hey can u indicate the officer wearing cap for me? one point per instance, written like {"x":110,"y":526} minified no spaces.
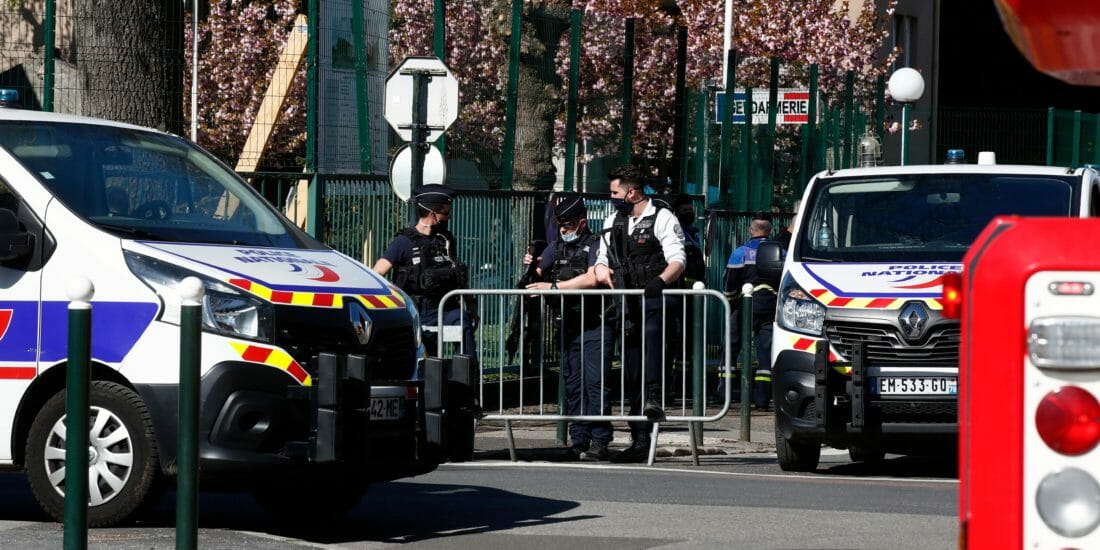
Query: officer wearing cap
{"x":424,"y":264}
{"x":741,"y":269}
{"x":643,"y":249}
{"x":586,"y":341}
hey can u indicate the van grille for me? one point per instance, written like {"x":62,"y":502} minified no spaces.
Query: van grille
{"x":885,"y":344}
{"x":307,"y":332}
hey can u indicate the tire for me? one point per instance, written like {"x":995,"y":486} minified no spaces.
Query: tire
{"x":124,"y":469}
{"x":868,"y":453}
{"x":796,"y":456}
{"x":311,"y":500}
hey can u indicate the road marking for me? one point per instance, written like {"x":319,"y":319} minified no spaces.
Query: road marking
{"x":508,"y":463}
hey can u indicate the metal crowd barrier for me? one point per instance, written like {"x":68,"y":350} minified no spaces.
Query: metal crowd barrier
{"x":696,"y":356}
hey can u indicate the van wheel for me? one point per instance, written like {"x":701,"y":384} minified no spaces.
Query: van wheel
{"x":797,"y":456}
{"x":123,"y":470}
{"x":316,"y":501}
{"x":869,"y":453}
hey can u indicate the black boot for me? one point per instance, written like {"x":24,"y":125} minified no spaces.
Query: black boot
{"x":638,"y":451}
{"x":652,"y":409}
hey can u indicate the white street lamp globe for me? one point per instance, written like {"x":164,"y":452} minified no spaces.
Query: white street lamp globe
{"x":906,"y":85}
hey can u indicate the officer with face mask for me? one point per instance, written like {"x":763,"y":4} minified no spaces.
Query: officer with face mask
{"x":643,"y":249}
{"x":585,"y":341}
{"x":424,"y":264}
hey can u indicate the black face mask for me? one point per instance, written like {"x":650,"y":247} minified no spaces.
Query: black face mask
{"x":440,"y":226}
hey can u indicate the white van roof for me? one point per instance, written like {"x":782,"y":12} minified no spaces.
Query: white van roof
{"x":952,"y":169}
{"x":12,"y":113}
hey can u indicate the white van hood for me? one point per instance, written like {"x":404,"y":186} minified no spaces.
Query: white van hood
{"x":274,"y":270}
{"x":872,"y":285}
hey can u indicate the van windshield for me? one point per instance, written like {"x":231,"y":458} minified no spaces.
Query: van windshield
{"x":146,"y":185}
{"x":921,"y":217}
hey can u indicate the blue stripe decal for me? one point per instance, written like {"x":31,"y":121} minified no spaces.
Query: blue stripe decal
{"x":19,"y":338}
{"x":116,"y":327}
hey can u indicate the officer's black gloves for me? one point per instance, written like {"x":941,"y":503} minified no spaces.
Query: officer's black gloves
{"x":654,"y":287}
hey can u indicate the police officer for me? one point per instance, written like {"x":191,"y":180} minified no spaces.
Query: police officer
{"x":643,"y":249}
{"x":585,"y":340}
{"x":424,"y":264}
{"x":741,"y":269}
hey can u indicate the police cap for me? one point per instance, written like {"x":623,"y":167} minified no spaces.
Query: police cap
{"x":434,"y":194}
{"x":570,"y":208}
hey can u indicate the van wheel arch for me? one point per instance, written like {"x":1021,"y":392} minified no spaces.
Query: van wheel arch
{"x":45,"y":386}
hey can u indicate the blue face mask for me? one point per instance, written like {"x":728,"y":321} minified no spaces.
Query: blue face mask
{"x":621,"y":206}
{"x":570,"y":237}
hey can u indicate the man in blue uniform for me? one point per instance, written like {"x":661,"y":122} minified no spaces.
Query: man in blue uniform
{"x":741,"y":269}
{"x":644,"y":249}
{"x":425,"y":265}
{"x":585,"y":342}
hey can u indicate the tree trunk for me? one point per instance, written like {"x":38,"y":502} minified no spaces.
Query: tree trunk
{"x":129,"y":56}
{"x":539,"y":98}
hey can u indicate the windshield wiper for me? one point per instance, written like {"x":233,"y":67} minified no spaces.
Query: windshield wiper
{"x":132,"y":232}
{"x":814,"y":259}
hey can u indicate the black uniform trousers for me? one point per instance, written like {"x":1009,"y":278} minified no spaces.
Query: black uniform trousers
{"x":642,"y":364}
{"x":586,"y":368}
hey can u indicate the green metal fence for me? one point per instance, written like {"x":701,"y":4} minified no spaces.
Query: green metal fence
{"x":1072,"y":138}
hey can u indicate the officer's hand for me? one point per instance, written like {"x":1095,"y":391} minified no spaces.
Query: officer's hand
{"x":538,"y":286}
{"x":654,"y":287}
{"x":527,"y":259}
{"x":603,"y":276}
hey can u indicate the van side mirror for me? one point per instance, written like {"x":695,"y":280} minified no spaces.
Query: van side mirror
{"x":14,"y":244}
{"x":769,"y":261}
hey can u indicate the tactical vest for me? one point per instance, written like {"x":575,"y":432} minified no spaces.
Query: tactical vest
{"x":432,"y":271}
{"x":696,"y":269}
{"x":571,"y":260}
{"x":640,"y":251}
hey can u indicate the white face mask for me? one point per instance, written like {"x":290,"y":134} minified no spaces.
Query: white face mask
{"x":570,"y":237}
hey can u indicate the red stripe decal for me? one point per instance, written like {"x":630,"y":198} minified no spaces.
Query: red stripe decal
{"x":881,"y":302}
{"x":796,"y":118}
{"x":282,"y":297}
{"x":803,"y":344}
{"x":817,"y":292}
{"x":322,"y":299}
{"x":796,"y":95}
{"x":374,"y":301}
{"x":18,"y":373}
{"x":397,"y":298}
{"x":241,"y":283}
{"x":840,"y":302}
{"x":297,"y":371}
{"x":256,"y":354}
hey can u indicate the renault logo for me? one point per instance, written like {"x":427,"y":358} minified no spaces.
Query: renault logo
{"x":913,"y":320}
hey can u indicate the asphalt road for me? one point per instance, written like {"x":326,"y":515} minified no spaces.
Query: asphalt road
{"x":499,"y":504}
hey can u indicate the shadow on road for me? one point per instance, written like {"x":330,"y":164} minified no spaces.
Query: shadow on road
{"x":908,"y":466}
{"x":391,"y":512}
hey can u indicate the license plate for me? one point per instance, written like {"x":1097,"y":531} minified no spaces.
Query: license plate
{"x":918,"y":385}
{"x":386,"y":408}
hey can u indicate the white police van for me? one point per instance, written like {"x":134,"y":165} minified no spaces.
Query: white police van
{"x":309,"y":386}
{"x":862,"y":357}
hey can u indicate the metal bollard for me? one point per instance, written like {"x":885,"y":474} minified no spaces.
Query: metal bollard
{"x":80,"y":291}
{"x":187,"y":458}
{"x":746,"y":360}
{"x":699,"y":367}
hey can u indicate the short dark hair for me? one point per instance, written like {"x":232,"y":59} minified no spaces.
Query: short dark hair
{"x":628,"y":175}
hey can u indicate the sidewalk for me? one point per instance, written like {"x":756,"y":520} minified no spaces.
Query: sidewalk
{"x":537,"y":441}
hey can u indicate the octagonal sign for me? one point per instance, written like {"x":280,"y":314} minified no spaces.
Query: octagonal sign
{"x":442,"y":96}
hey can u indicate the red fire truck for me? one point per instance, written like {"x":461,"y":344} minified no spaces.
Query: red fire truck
{"x":1029,"y":418}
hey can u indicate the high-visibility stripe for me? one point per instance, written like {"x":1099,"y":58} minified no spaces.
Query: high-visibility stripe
{"x":762,"y":378}
{"x":320,"y":299}
{"x":273,"y":357}
{"x":18,"y":373}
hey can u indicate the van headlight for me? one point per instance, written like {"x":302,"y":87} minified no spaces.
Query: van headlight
{"x":797,"y":311}
{"x":225,"y":309}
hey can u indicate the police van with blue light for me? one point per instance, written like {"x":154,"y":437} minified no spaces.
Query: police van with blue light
{"x":310,"y":368}
{"x":862,"y":356}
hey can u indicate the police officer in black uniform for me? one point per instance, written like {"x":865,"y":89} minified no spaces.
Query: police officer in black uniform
{"x":424,"y":264}
{"x":643,"y":249}
{"x":585,"y":341}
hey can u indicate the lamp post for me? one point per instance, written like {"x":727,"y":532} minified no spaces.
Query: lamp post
{"x":906,"y":86}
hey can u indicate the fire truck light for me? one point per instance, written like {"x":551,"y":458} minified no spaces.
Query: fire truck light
{"x":1069,"y":502}
{"x":1071,"y":288}
{"x":1065,"y":342}
{"x":1068,"y":420}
